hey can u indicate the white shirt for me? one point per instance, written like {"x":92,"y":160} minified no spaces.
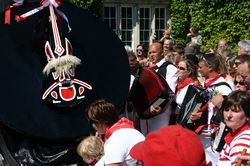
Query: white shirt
{"x":118,"y":146}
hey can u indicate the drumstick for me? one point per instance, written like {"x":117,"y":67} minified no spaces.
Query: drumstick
{"x":244,"y":151}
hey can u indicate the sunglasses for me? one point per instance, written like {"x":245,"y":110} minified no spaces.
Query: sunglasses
{"x":204,"y":58}
{"x":242,"y":83}
{"x":139,"y":50}
{"x":181,"y":68}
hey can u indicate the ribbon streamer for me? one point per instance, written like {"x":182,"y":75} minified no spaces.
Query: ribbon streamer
{"x":43,"y":4}
{"x":8,"y":10}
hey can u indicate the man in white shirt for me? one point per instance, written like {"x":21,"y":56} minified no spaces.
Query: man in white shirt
{"x":162,"y":117}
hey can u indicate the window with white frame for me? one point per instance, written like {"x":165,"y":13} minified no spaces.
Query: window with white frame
{"x":160,"y":21}
{"x":135,"y":24}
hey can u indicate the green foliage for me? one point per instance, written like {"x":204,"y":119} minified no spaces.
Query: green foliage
{"x":216,"y":19}
{"x":179,"y":22}
{"x":95,"y":6}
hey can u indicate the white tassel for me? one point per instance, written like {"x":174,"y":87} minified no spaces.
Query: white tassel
{"x":64,"y":63}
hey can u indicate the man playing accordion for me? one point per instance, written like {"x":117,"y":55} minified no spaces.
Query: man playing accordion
{"x":168,"y":72}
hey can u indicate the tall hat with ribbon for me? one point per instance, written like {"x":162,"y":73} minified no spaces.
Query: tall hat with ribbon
{"x":53,"y":85}
{"x":37,"y":62}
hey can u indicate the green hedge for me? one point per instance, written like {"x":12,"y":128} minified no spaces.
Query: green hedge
{"x":95,"y":6}
{"x":216,"y":19}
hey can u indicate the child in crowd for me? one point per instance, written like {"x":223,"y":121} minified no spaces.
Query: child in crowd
{"x":91,"y":150}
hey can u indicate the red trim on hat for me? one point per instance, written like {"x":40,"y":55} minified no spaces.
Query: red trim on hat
{"x":7,"y":15}
{"x":20,"y":18}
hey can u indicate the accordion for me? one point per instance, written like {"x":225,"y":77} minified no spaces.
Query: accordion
{"x":149,"y":89}
{"x":194,"y":101}
{"x":219,"y":137}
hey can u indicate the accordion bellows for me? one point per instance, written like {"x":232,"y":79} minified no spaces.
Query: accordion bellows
{"x":149,"y":88}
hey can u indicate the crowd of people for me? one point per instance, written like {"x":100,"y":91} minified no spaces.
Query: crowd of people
{"x":129,"y":139}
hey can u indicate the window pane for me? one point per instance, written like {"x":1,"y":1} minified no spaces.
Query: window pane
{"x":106,"y":12}
{"x":147,"y":26}
{"x":144,"y":25}
{"x":160,"y":21}
{"x":123,"y":35}
{"x":129,"y":36}
{"x":112,"y":12}
{"x":147,"y":13}
{"x":113,"y":24}
{"x":157,"y":12}
{"x":162,"y":13}
{"x":157,"y":26}
{"x":162,"y":24}
{"x":110,"y":17}
{"x":129,"y":24}
{"x":126,"y":25}
{"x":129,"y":12}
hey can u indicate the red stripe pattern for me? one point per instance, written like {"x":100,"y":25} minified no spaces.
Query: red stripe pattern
{"x":234,"y":148}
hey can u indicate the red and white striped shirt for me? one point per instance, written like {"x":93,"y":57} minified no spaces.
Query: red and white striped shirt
{"x":235,"y":143}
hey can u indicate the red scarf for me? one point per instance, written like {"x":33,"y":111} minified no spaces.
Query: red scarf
{"x":153,"y":66}
{"x":210,"y":81}
{"x":123,"y":123}
{"x":185,"y":83}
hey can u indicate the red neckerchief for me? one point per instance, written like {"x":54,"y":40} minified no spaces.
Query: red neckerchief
{"x":153,"y":66}
{"x":185,"y":83}
{"x":210,"y":81}
{"x":123,"y":123}
{"x":231,"y":135}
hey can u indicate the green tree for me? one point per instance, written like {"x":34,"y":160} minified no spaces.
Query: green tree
{"x":95,"y":6}
{"x":216,"y":19}
{"x":179,"y":20}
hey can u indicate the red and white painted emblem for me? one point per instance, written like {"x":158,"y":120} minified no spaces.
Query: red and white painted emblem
{"x":65,"y":90}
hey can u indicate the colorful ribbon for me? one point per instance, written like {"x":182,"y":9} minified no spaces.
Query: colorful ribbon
{"x":43,"y":4}
{"x":8,"y":10}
